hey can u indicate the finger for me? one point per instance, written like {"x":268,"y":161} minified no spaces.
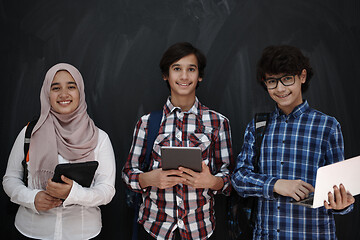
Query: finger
{"x":204,"y":167}
{"x":301,"y":193}
{"x":305,"y":190}
{"x":186,"y":176}
{"x":309,"y":187}
{"x":172,"y":172}
{"x":296,"y":197}
{"x":49,"y":198}
{"x":337,"y":195}
{"x":331,"y":200}
{"x":66,"y":180}
{"x":53,"y":185}
{"x":49,"y":181}
{"x":326,"y":205}
{"x":343,"y":193}
{"x":350,"y":198}
{"x":174,"y":179}
{"x":188,"y":171}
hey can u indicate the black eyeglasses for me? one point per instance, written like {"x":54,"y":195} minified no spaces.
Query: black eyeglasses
{"x":286,"y":80}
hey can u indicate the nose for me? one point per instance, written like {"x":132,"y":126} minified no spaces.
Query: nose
{"x":280,"y":87}
{"x":184,"y":74}
{"x":64,"y":92}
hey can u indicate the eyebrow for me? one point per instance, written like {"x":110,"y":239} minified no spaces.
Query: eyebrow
{"x":273,"y":77}
{"x":54,"y":84}
{"x":190,"y":65}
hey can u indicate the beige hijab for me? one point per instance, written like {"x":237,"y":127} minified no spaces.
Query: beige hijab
{"x":74,"y":136}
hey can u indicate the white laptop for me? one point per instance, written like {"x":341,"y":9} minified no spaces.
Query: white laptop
{"x":345,"y":172}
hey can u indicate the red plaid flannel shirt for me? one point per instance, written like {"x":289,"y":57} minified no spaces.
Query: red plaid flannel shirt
{"x":189,"y":209}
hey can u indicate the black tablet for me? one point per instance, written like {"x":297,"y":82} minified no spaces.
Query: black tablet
{"x":174,"y":157}
{"x":82,"y":173}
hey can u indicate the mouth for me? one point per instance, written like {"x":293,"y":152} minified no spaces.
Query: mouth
{"x":183,"y":84}
{"x":64,"y":103}
{"x":283,"y":95}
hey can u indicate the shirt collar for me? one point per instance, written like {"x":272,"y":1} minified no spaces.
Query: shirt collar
{"x":170,"y":108}
{"x":298,"y":110}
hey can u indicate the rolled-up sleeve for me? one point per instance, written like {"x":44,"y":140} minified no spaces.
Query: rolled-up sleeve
{"x":131,"y":169}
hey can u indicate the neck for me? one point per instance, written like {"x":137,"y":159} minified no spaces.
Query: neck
{"x":288,"y":109}
{"x":185,"y":103}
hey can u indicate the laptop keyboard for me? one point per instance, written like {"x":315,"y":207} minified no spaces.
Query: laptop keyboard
{"x":308,"y":201}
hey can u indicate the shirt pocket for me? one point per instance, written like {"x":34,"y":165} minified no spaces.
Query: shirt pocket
{"x":202,"y":140}
{"x":161,"y":140}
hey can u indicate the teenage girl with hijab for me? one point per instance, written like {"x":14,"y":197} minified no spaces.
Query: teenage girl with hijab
{"x":64,"y":133}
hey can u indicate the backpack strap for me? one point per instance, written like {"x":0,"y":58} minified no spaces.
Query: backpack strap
{"x":28,"y":132}
{"x":153,"y":131}
{"x":261,"y":120}
{"x":244,"y":209}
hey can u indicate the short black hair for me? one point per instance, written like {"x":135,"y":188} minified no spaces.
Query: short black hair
{"x":283,"y":59}
{"x":177,"y":51}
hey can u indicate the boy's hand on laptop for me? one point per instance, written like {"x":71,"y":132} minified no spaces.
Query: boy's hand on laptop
{"x":340,"y":199}
{"x":203,"y":179}
{"x":297,"y":189}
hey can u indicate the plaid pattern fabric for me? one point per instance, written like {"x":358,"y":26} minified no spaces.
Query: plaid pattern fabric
{"x":294,"y":147}
{"x":189,"y":209}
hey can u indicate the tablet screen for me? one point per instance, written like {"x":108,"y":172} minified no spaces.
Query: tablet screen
{"x":174,"y":157}
{"x":82,"y":173}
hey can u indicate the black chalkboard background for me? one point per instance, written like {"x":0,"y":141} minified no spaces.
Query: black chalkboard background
{"x":117,"y":46}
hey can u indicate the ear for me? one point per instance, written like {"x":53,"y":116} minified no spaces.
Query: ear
{"x":303,"y":75}
{"x":200,"y":79}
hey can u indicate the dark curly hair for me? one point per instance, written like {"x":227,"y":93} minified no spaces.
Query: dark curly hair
{"x":283,"y":59}
{"x":178,"y":51}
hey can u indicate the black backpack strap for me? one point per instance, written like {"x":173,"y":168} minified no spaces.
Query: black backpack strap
{"x":28,"y":132}
{"x":244,"y":209}
{"x":261,"y":120}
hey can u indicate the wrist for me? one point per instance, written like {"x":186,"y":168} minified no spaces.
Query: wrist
{"x":217,"y":183}
{"x":144,"y":180}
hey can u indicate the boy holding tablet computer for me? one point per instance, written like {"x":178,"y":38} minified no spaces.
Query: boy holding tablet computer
{"x":181,"y":206}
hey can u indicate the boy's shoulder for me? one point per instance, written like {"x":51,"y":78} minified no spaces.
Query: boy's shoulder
{"x":211,"y":114}
{"x":319,"y":116}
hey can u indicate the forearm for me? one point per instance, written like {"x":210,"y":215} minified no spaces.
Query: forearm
{"x":19,"y":193}
{"x":247,"y":183}
{"x":90,"y":197}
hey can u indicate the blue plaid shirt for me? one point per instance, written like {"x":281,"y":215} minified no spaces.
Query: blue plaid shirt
{"x":294,"y":147}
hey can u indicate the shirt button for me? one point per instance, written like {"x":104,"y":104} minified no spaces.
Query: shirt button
{"x":282,"y":163}
{"x":278,"y":208}
{"x":180,"y":223}
{"x":278,"y":230}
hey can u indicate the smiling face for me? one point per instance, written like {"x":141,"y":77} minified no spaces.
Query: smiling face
{"x":183,"y":78}
{"x":287,"y":97}
{"x":64,"y":93}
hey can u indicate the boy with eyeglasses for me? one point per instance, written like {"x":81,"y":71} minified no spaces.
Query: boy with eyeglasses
{"x":298,"y":140}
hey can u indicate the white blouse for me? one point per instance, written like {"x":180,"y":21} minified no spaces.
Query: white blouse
{"x":79,"y":216}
